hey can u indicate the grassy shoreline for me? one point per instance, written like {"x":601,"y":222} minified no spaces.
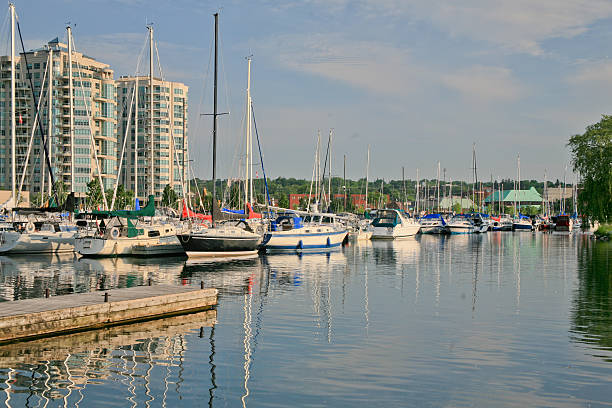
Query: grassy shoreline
{"x":604,"y":231}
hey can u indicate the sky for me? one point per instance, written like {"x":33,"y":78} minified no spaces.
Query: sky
{"x":417,"y":81}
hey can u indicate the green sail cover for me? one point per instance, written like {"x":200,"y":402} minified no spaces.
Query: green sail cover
{"x":148,"y":211}
{"x":132,"y":230}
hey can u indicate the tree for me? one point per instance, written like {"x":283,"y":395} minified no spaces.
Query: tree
{"x":592,"y":159}
{"x":61,"y":191}
{"x":283,"y":201}
{"x":169,"y":197}
{"x":94,"y":193}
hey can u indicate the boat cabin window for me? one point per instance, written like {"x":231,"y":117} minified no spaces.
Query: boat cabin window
{"x":154,"y":233}
{"x":385,"y":219}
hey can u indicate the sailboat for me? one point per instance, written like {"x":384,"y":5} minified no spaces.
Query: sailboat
{"x":521,"y":222}
{"x":219,"y":240}
{"x":121,"y":234}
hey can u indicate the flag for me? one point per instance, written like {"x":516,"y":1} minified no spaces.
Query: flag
{"x":20,"y":119}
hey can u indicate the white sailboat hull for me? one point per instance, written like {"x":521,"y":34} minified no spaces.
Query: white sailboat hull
{"x":124,"y":246}
{"x":13,"y":242}
{"x":299,"y":240}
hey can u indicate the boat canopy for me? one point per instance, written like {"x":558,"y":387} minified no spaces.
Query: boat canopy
{"x":148,"y":211}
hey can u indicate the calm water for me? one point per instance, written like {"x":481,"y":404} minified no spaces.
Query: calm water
{"x":500,"y":319}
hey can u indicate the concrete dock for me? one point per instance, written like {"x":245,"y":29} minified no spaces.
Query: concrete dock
{"x":34,"y":318}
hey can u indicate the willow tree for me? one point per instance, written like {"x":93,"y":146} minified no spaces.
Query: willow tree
{"x":592,"y":159}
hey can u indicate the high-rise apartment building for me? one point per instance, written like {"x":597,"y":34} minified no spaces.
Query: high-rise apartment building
{"x":169,"y":147}
{"x":94,"y":122}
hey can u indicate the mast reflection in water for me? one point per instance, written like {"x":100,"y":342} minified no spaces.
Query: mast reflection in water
{"x":498,"y":319}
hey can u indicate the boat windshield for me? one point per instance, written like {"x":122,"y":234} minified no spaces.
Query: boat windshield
{"x":385,"y":218}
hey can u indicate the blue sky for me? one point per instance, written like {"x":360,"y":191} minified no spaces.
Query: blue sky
{"x":419,"y":81}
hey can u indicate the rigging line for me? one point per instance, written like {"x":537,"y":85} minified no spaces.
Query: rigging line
{"x":161,"y":72}
{"x":225,"y":125}
{"x":176,"y":158}
{"x":91,"y":132}
{"x":27,"y":159}
{"x":127,"y":128}
{"x":4,"y":32}
{"x":40,"y":127}
{"x":196,"y":129}
{"x":263,"y":170}
{"x":321,"y":195}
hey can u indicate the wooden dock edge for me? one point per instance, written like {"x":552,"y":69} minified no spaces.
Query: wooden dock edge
{"x":31,"y":326}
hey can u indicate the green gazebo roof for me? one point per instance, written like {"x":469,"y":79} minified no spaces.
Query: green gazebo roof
{"x":510,"y":196}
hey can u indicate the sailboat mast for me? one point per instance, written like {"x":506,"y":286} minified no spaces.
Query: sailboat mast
{"x":214,"y":158}
{"x":71,"y":91}
{"x":367,"y":178}
{"x":404,"y":188}
{"x":49,"y":113}
{"x":417,"y":198}
{"x":344,"y":182}
{"x":564,"y":191}
{"x":136,"y":139}
{"x":248,"y":181}
{"x":438,"y":187}
{"x":152,"y":148}
{"x":13,"y":121}
{"x":329,"y":173}
{"x":519,"y":183}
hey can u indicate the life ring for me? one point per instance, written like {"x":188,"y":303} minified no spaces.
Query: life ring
{"x":30,"y":228}
{"x":114,"y":233}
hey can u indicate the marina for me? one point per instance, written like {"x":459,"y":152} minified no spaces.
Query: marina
{"x":159,"y":252}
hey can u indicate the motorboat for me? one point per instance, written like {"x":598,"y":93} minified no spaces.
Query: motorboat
{"x":432,"y":224}
{"x":522,"y":223}
{"x":466,"y":224}
{"x":502,"y":222}
{"x":304,"y":232}
{"x":392,"y":224}
{"x":564,"y":223}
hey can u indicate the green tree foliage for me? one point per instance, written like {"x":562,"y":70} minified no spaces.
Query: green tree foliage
{"x":169,"y":197}
{"x":61,"y":191}
{"x":94,"y":194}
{"x":283,"y":201}
{"x":124,"y":198}
{"x":592,"y":159}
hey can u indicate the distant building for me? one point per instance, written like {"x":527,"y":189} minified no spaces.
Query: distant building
{"x":357,"y":200}
{"x":509,"y":197}
{"x":558,"y":193}
{"x":94,"y":108}
{"x":170,"y":131}
{"x":447,"y":203}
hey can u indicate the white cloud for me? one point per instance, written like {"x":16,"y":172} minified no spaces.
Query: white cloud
{"x":515,"y":25}
{"x":367,"y":65}
{"x":485,"y":83}
{"x":599,"y":71}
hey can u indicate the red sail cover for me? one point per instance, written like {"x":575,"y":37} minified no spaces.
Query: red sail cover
{"x":252,"y":214}
{"x":187,"y":213}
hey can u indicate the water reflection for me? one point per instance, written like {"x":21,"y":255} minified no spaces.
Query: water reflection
{"x":443,"y":321}
{"x":592,"y":304}
{"x":24,"y":277}
{"x":144,"y":358}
